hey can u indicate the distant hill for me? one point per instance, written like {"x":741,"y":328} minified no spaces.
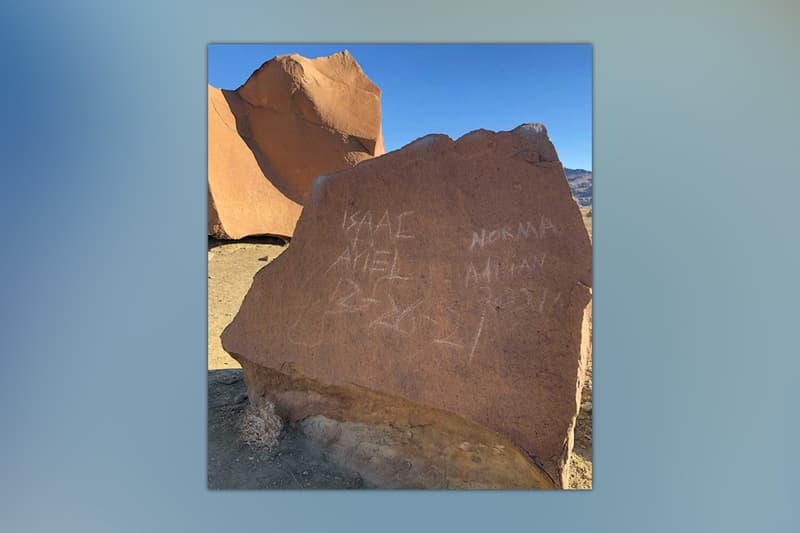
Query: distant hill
{"x":580,"y":181}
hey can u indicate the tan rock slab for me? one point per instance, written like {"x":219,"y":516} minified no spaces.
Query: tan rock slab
{"x":292,"y":120}
{"x":241,"y":200}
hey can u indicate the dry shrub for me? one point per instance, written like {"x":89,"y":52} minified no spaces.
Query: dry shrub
{"x":260,"y":426}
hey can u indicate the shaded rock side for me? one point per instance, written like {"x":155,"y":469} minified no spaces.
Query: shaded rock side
{"x":241,"y":200}
{"x":453,"y":274}
{"x":292,"y":120}
{"x":391,"y":443}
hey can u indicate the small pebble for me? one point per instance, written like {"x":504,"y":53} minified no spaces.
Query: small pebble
{"x":587,"y":407}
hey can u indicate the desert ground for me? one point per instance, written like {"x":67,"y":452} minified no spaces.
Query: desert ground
{"x":294,"y":462}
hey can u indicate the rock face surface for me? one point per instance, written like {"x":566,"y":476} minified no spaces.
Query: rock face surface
{"x":292,"y":120}
{"x":455,"y":275}
{"x":241,"y":200}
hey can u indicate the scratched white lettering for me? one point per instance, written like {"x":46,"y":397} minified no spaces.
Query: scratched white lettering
{"x":400,"y":235}
{"x":513,"y":232}
{"x":496,"y":269}
{"x":372,"y":279}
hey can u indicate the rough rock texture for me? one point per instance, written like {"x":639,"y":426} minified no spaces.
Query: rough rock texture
{"x":292,"y":120}
{"x":320,"y":452}
{"x":392,"y":443}
{"x":454,"y":274}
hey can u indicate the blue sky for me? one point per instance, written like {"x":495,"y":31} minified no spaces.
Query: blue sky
{"x":454,"y":89}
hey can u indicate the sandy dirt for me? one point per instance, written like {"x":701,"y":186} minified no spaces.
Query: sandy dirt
{"x":231,"y":267}
{"x":294,"y":463}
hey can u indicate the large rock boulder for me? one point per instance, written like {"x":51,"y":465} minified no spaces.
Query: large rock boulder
{"x":292,"y":120}
{"x":452,"y":274}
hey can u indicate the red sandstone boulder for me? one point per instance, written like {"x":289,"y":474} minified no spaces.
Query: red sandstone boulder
{"x":241,"y":200}
{"x":292,"y":120}
{"x":451,"y":274}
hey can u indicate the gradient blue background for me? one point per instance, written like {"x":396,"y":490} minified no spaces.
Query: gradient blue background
{"x":103,"y":277}
{"x":455,"y":89}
